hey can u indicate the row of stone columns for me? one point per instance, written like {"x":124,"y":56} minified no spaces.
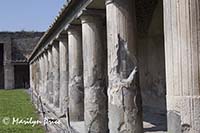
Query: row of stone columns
{"x":78,"y":67}
{"x":85,"y":63}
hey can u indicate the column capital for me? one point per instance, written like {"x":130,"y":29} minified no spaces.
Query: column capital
{"x":92,"y":15}
{"x":62,"y":36}
{"x":74,"y":28}
{"x":46,"y":48}
{"x":49,"y":46}
{"x":119,"y":2}
{"x":109,"y":2}
{"x":54,"y":42}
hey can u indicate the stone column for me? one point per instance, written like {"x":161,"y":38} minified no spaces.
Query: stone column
{"x":36,"y":75}
{"x":63,"y":46}
{"x":35,"y":91}
{"x":181,"y":29}
{"x":125,"y":107}
{"x":9,"y":79}
{"x":46,"y":69}
{"x":56,"y":73}
{"x":40,"y":76}
{"x":94,"y":60}
{"x":43,"y":76}
{"x":31,"y":75}
{"x":31,"y":67}
{"x":76,"y":95}
{"x":50,"y":75}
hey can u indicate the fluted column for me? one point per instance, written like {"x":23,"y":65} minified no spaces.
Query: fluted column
{"x":94,"y":60}
{"x":50,"y":75}
{"x":125,"y":107}
{"x":64,"y":73}
{"x":76,"y":95}
{"x":56,"y":73}
{"x":181,"y":29}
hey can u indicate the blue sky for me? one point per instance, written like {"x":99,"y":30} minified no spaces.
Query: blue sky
{"x":28,"y":15}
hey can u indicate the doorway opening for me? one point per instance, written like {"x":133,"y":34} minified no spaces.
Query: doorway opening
{"x":21,"y":76}
{"x":152,"y":64}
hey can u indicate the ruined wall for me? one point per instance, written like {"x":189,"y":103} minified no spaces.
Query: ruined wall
{"x":1,"y":67}
{"x":151,"y":55}
{"x":22,"y":44}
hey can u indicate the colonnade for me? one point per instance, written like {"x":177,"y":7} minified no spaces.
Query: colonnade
{"x":91,"y":67}
{"x":72,"y":71}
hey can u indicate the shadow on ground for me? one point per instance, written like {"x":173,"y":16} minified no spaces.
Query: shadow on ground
{"x":154,"y":120}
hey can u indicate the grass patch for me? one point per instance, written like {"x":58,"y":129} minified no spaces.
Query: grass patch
{"x":17,"y":104}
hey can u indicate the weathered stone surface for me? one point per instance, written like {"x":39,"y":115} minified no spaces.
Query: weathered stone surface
{"x":22,"y":43}
{"x":50,"y":75}
{"x":9,"y":81}
{"x":125,"y":107}
{"x":17,"y":46}
{"x":181,"y":24}
{"x":40,"y":76}
{"x":64,"y":73}
{"x":46,"y":69}
{"x":76,"y":94}
{"x":95,"y":64}
{"x":56,"y":73}
{"x":128,"y":63}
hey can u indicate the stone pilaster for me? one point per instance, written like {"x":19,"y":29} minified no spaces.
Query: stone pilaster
{"x":9,"y":78}
{"x":181,"y":28}
{"x":94,"y":60}
{"x":125,"y":107}
{"x":76,"y":95}
{"x":64,"y":74}
{"x":56,"y":73}
{"x":50,"y":75}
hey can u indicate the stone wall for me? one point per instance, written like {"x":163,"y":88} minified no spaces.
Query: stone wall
{"x":22,"y":44}
{"x":1,"y":66}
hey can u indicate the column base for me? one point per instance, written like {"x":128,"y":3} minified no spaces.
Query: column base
{"x":183,"y":114}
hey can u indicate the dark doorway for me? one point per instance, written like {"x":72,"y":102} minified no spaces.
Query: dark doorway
{"x":1,"y":66}
{"x":21,"y":76}
{"x":152,"y":64}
